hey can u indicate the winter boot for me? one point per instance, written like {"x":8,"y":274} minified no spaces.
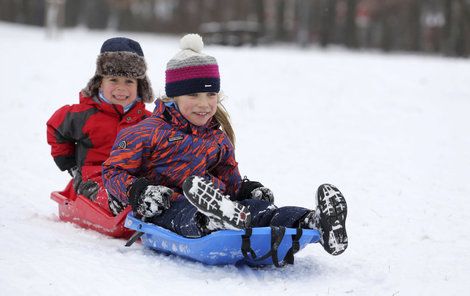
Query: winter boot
{"x":329,"y":218}
{"x":218,"y":208}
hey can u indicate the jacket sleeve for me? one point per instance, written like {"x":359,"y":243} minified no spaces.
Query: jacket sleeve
{"x":122,"y":169}
{"x":226,"y":172}
{"x":60,"y":137}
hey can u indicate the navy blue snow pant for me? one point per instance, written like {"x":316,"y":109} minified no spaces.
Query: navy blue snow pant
{"x":184,"y":219}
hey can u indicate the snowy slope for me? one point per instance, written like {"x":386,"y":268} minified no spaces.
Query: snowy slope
{"x":391,"y":131}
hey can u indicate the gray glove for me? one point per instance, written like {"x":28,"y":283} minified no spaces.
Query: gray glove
{"x":77,"y":177}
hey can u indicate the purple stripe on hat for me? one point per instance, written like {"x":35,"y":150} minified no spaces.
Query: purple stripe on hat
{"x":191,"y":72}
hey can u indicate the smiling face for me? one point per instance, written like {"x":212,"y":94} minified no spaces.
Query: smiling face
{"x":198,"y":108}
{"x":119,"y":90}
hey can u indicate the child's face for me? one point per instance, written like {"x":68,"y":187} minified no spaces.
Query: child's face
{"x":119,"y":90}
{"x":198,"y":108}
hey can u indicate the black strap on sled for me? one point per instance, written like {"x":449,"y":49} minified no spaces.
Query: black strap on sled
{"x":277,"y":234}
{"x":133,"y":238}
{"x":246,"y":244}
{"x":136,"y":235}
{"x":289,"y":259}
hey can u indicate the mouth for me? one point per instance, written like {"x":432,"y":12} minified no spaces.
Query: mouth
{"x":201,"y":113}
{"x":120,"y":97}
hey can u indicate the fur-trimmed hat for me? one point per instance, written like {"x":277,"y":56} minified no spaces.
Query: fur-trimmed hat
{"x":121,"y":56}
{"x":190,"y":70}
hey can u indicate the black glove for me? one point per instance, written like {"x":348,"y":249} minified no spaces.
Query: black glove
{"x":255,"y":190}
{"x":151,"y":201}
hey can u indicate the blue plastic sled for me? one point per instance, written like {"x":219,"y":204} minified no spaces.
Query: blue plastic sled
{"x":270,"y":245}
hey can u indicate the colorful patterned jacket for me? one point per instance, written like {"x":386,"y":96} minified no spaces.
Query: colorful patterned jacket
{"x":83,"y":134}
{"x":165,"y":149}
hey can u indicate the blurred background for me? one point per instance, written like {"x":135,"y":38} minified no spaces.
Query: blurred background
{"x":440,"y":27}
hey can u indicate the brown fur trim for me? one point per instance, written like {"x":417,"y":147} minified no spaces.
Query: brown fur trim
{"x":145,"y":90}
{"x":121,"y":63}
{"x":93,"y":86}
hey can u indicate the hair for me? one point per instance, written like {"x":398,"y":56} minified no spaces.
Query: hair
{"x":221,"y":116}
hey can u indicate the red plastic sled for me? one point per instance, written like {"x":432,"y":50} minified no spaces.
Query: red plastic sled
{"x":87,"y":214}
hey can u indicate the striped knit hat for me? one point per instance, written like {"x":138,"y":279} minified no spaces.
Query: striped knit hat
{"x":191,"y":71}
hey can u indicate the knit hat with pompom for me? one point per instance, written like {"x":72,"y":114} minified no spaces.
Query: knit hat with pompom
{"x":191,"y":71}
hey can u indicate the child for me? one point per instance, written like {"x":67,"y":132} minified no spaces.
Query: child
{"x":150,"y":162}
{"x":81,"y":135}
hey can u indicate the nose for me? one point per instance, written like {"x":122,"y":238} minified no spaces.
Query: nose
{"x":203,"y":100}
{"x":121,"y":86}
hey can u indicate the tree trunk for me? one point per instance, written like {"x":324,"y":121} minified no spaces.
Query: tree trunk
{"x":328,"y":22}
{"x":350,"y":31}
{"x":280,"y":29}
{"x":415,"y":35}
{"x":447,"y":30}
{"x":461,"y":45}
{"x":97,"y":13}
{"x":260,"y":9}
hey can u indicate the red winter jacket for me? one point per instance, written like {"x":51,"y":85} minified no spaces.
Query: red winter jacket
{"x":165,"y":149}
{"x":83,"y":134}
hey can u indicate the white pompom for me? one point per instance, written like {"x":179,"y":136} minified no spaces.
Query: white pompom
{"x":192,"y":41}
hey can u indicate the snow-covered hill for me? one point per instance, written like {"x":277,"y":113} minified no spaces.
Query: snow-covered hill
{"x":391,"y":131}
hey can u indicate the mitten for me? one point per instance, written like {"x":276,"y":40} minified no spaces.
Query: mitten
{"x":89,"y":189}
{"x":152,"y":201}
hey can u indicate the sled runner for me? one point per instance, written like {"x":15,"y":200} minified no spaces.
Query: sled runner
{"x":253,"y":246}
{"x":87,"y":214}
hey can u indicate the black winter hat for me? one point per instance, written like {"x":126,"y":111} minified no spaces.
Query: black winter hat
{"x":122,"y":44}
{"x":121,"y":56}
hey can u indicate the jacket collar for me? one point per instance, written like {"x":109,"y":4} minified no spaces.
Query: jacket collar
{"x":112,"y":109}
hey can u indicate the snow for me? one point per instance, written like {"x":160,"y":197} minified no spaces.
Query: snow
{"x":390,"y":131}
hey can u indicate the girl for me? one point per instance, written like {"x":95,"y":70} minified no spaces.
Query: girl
{"x":81,"y":135}
{"x":189,"y":135}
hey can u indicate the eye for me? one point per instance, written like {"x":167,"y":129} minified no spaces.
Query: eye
{"x":130,"y":81}
{"x":193,"y":95}
{"x":212,"y":94}
{"x":112,"y":79}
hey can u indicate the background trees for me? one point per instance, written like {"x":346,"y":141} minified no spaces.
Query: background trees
{"x":434,"y":26}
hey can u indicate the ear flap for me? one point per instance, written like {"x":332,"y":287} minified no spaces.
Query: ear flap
{"x":92,"y":87}
{"x":145,"y":90}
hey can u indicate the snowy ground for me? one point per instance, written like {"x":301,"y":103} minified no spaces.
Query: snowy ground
{"x":391,"y":131}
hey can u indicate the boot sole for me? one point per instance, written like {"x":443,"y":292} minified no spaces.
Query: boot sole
{"x":212,"y":203}
{"x":333,"y":212}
